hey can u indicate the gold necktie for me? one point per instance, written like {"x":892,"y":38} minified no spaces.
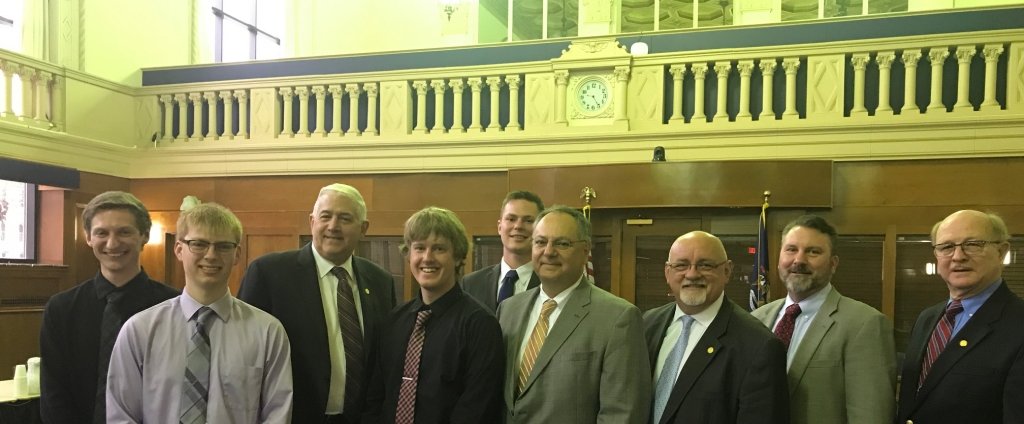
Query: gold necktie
{"x":540,"y":331}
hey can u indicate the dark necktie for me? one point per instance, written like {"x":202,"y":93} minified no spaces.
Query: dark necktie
{"x":940,"y":337}
{"x":196,"y":390}
{"x":109,"y":327}
{"x":784,"y":331}
{"x":352,"y":337}
{"x":405,"y":411}
{"x":508,"y":285}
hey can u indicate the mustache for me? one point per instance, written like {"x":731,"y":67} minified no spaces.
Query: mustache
{"x":799,"y":269}
{"x":701,"y":282}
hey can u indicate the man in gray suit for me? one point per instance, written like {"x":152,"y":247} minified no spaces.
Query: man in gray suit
{"x":841,"y":355}
{"x":514,"y":275}
{"x":592,"y":366}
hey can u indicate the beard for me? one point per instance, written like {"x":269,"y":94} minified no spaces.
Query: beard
{"x":694,"y":296}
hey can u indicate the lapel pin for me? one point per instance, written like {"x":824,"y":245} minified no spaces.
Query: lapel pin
{"x":963,"y":343}
{"x":367,"y":291}
{"x":711,"y":350}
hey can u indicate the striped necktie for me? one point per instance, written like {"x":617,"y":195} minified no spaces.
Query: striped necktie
{"x":940,"y":337}
{"x":405,"y":411}
{"x":352,"y":338}
{"x":540,"y":332}
{"x":195,"y":392}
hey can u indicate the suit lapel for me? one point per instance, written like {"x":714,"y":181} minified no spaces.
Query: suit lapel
{"x":519,"y":311}
{"x":700,"y":357}
{"x":576,"y":308}
{"x":660,"y":322}
{"x":491,"y":288}
{"x":534,"y":281}
{"x":816,"y":331}
{"x":367,"y":300}
{"x":771,"y":313}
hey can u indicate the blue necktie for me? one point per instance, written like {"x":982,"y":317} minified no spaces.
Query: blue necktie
{"x":670,"y":371}
{"x":508,"y":285}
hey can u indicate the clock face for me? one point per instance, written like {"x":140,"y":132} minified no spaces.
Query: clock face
{"x":592,"y":96}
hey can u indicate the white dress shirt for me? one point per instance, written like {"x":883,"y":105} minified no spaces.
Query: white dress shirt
{"x":525,"y":274}
{"x":560,"y":299}
{"x":809,"y":308}
{"x":329,"y":297}
{"x":701,"y":321}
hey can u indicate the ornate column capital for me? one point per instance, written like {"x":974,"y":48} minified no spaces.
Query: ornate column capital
{"x":352,"y":89}
{"x":457,"y":85}
{"x":938,"y":55}
{"x":767,"y":66}
{"x":745,"y":67}
{"x":965,"y":53}
{"x":195,"y":97}
{"x":370,"y":88}
{"x":420,"y":86}
{"x":438,"y":86}
{"x":992,"y":52}
{"x":494,"y":83}
{"x":27,"y":73}
{"x":860,"y":61}
{"x":45,"y":76}
{"x":10,"y":68}
{"x":722,"y":69}
{"x":512,"y":81}
{"x":225,"y":96}
{"x":621,"y":73}
{"x":791,"y":65}
{"x":885,"y":59}
{"x":677,"y":71}
{"x":302,"y":93}
{"x":286,"y":92}
{"x":180,"y":98}
{"x":561,"y":78}
{"x":210,"y":96}
{"x":319,"y":91}
{"x":241,"y":95}
{"x":334,"y":89}
{"x":910,"y":57}
{"x":699,"y":70}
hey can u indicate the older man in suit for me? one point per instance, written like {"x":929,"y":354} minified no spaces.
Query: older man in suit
{"x":841,"y":359}
{"x":331,"y":303}
{"x":592,"y":365}
{"x":965,"y":358}
{"x":713,"y":362}
{"x":514,"y":275}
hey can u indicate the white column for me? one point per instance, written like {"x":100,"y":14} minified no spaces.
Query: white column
{"x":494,"y":84}
{"x":457,"y":87}
{"x":884,"y":61}
{"x":9,"y":68}
{"x":791,"y":65}
{"x":910,"y":59}
{"x":767,"y":86}
{"x":286,"y":102}
{"x":28,"y":90}
{"x":621,"y":84}
{"x":335,"y":90}
{"x":371,"y":108}
{"x":475,"y":84}
{"x":964,"y":54}
{"x":166,"y":99}
{"x":182,"y":100}
{"x":43,"y":97}
{"x":242,"y":96}
{"x":438,"y":124}
{"x":699,"y":71}
{"x":746,"y":68}
{"x":320,"y":94}
{"x":421,"y":106}
{"x":303,"y":94}
{"x":860,"y":65}
{"x":991,"y":53}
{"x":721,"y":105}
{"x":229,"y":118}
{"x":353,"y":109}
{"x":561,"y":80}
{"x":211,"y":112}
{"x":937,"y":56}
{"x":197,"y":115}
{"x":513,"y":103}
{"x":678,"y":73}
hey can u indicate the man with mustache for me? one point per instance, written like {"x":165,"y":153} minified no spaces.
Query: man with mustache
{"x":841,"y":358}
{"x":965,"y":358}
{"x":713,"y":362}
{"x":514,"y":274}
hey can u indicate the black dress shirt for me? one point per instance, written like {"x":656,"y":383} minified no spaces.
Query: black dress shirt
{"x":462,"y":365}
{"x":70,"y":338}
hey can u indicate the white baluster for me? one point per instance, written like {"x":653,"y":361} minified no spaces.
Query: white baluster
{"x":9,"y":68}
{"x":964,"y":54}
{"x":320,"y":94}
{"x":286,"y":117}
{"x":303,"y":94}
{"x":28,"y":90}
{"x":182,"y":100}
{"x":513,"y":103}
{"x":43,"y":97}
{"x":937,"y":56}
{"x":167,"y":101}
{"x":745,"y":68}
{"x":229,"y":115}
{"x":494,"y":84}
{"x":860,"y":64}
{"x":678,"y":73}
{"x":438,"y":124}
{"x":767,"y":86}
{"x":353,"y":109}
{"x":991,"y":53}
{"x":884,"y":61}
{"x":211,"y":110}
{"x":699,"y":70}
{"x":475,"y":85}
{"x":721,"y":105}
{"x":910,"y":59}
{"x":561,"y":80}
{"x":371,"y":108}
{"x":457,"y":87}
{"x":242,"y":96}
{"x":197,"y":115}
{"x":335,"y":90}
{"x":621,"y":84}
{"x":421,"y":106}
{"x":791,"y":65}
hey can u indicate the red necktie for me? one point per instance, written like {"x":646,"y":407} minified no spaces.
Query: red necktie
{"x":940,"y":337}
{"x":784,"y":330}
{"x":405,"y":412}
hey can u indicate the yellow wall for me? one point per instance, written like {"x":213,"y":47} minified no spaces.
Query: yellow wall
{"x":122,"y":36}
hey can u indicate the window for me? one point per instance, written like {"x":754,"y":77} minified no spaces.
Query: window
{"x":247,"y":29}
{"x":17,"y":222}
{"x":10,"y":25}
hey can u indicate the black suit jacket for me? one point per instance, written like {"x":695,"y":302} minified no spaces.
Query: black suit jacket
{"x":285,"y":284}
{"x":979,"y":377}
{"x":482,"y":284}
{"x":735,"y":374}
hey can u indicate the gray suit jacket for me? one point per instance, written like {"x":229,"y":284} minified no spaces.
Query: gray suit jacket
{"x":592,"y":368}
{"x":844,"y":370}
{"x":482,"y":284}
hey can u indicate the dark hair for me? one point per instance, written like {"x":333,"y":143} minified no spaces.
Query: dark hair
{"x":118,"y":200}
{"x":522,"y":195}
{"x":441,"y":223}
{"x":582,"y":223}
{"x":817,"y":223}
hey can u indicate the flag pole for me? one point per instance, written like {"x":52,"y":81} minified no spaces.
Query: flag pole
{"x":759,"y":277}
{"x":588,"y":195}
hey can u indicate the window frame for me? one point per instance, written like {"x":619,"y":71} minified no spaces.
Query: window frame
{"x":254,"y":32}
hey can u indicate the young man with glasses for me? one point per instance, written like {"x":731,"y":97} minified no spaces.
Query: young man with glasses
{"x":841,"y":357}
{"x":203,"y":356}
{"x":703,"y":343}
{"x":576,"y":352}
{"x":965,"y":358}
{"x":81,"y":324}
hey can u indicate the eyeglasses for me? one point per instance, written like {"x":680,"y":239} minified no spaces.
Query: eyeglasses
{"x":200,"y":247}
{"x":970,"y":247}
{"x":701,"y":267}
{"x":560,"y":245}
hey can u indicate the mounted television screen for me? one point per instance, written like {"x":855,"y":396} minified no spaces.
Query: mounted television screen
{"x":17,"y":222}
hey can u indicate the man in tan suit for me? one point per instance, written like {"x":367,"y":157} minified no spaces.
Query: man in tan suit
{"x":841,"y":357}
{"x":592,"y":366}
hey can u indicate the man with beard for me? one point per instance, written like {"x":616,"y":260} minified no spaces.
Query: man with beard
{"x":841,"y":359}
{"x":703,"y":343}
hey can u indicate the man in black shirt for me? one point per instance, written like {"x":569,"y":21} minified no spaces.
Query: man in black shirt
{"x":81,"y":323}
{"x":442,"y":356}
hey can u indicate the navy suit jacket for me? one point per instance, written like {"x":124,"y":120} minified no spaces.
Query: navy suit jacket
{"x":736,"y":373}
{"x":482,"y":284}
{"x":286,"y":285}
{"x":979,"y":377}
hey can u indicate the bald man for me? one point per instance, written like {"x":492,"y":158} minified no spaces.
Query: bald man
{"x":974,"y":339}
{"x":712,"y":361}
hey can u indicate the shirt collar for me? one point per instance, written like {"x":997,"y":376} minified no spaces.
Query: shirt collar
{"x":104,"y":287}
{"x":444,"y":303}
{"x":563,"y":296}
{"x":324,"y":266}
{"x":221,"y":307}
{"x":810,"y":305}
{"x":971,"y":304}
{"x":703,"y":317}
{"x":523,"y":271}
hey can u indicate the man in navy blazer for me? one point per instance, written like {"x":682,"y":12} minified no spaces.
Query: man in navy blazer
{"x":301,"y":288}
{"x":977,"y":376}
{"x":730,"y":368}
{"x":514,"y":274}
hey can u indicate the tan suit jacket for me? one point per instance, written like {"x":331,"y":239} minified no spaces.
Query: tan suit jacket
{"x":592,"y":368}
{"x":844,"y":370}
